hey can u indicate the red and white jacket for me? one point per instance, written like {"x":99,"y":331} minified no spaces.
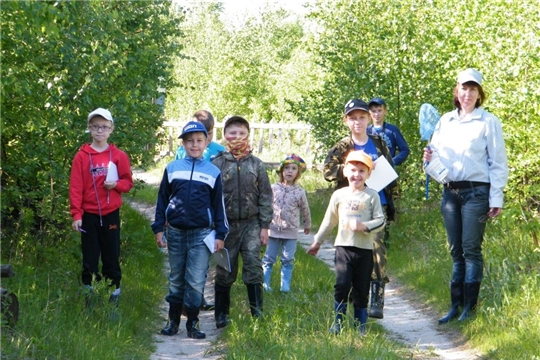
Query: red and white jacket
{"x":88,"y":173}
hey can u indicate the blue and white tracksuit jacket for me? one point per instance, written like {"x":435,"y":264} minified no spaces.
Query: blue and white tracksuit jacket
{"x":191,"y":197}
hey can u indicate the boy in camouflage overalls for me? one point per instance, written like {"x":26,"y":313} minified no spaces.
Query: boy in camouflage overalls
{"x":248,"y":205}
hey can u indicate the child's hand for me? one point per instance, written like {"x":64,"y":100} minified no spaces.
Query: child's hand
{"x":159,"y":240}
{"x":314,"y":248}
{"x":109,"y":185}
{"x":306,"y":231}
{"x":77,"y":225}
{"x":220,"y":244}
{"x":356,"y":225}
{"x":264,"y":237}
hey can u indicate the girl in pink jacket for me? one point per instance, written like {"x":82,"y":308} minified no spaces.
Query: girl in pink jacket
{"x":289,"y":202}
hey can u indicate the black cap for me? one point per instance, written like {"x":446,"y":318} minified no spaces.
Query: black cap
{"x":356,"y":104}
{"x":236,"y":120}
{"x":377,"y":101}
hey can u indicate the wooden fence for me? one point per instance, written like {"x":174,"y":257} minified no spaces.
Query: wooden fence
{"x":265,"y":138}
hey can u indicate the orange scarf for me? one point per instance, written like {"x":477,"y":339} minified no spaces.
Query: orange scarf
{"x":239,"y":147}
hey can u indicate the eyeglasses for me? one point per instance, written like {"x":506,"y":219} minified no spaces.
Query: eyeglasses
{"x":97,"y":128}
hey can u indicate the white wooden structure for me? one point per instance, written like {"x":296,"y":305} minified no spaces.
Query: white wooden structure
{"x":264,"y":137}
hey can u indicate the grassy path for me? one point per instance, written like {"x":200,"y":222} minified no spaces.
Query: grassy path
{"x":180,"y":346}
{"x":406,"y":321}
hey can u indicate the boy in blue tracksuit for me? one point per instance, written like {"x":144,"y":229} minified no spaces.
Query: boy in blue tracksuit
{"x":213,"y":148}
{"x":189,"y":206}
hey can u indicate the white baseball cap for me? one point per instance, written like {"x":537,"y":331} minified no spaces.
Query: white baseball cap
{"x":470,"y":75}
{"x":104,"y":113}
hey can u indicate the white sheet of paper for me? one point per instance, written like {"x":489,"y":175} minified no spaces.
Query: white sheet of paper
{"x":436,"y":170}
{"x":210,"y":241}
{"x":382,"y":175}
{"x":222,"y":259}
{"x":112,"y":172}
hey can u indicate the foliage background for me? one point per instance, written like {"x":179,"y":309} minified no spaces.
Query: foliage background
{"x":60,"y":60}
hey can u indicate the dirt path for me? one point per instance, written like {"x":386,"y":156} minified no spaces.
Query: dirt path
{"x":406,"y":321}
{"x":180,"y":346}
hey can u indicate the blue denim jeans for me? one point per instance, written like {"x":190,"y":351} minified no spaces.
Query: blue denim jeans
{"x":188,"y":259}
{"x":462,"y":210}
{"x":288,"y":249}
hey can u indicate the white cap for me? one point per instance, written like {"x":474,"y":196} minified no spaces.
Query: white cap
{"x":469,"y":75}
{"x":104,"y":113}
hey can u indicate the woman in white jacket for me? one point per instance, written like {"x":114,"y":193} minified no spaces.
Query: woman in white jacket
{"x":469,"y":143}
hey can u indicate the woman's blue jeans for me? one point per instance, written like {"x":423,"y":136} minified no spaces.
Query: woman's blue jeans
{"x":188,"y":259}
{"x":463,"y":210}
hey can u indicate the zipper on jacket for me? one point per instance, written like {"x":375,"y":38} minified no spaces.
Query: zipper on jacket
{"x":238,"y":168}
{"x":190,"y":180}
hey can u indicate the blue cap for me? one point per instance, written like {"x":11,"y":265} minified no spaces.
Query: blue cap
{"x":377,"y":101}
{"x":193,"y":126}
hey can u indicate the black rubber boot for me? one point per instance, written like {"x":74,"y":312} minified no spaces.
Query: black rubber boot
{"x":255,"y":296}
{"x":456,"y":297}
{"x":192,"y":324}
{"x":174,"y":320}
{"x":470,"y":292}
{"x":223,"y":303}
{"x":377,"y":300}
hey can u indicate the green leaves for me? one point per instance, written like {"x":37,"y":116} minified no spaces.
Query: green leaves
{"x":59,"y":62}
{"x":253,"y":69}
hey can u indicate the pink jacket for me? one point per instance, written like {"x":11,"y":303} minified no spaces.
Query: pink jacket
{"x":289,"y":202}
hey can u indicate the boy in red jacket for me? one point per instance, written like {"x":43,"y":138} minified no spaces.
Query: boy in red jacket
{"x":99,"y":174}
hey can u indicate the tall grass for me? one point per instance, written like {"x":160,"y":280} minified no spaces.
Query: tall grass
{"x":54,"y":322}
{"x":507,"y":324}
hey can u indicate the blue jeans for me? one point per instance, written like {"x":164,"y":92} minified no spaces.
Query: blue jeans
{"x":188,"y":259}
{"x":462,"y":210}
{"x":288,"y":249}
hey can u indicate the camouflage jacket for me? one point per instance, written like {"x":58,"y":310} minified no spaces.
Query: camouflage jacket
{"x":246,"y":188}
{"x":335,"y":162}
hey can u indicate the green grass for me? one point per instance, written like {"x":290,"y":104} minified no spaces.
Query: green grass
{"x":507,"y":325}
{"x":55,"y":325}
{"x":54,"y":322}
{"x":295,"y":325}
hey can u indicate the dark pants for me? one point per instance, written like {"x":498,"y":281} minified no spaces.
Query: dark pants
{"x":462,"y":210}
{"x":353,"y":267}
{"x":102,"y":239}
{"x":379,"y":255}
